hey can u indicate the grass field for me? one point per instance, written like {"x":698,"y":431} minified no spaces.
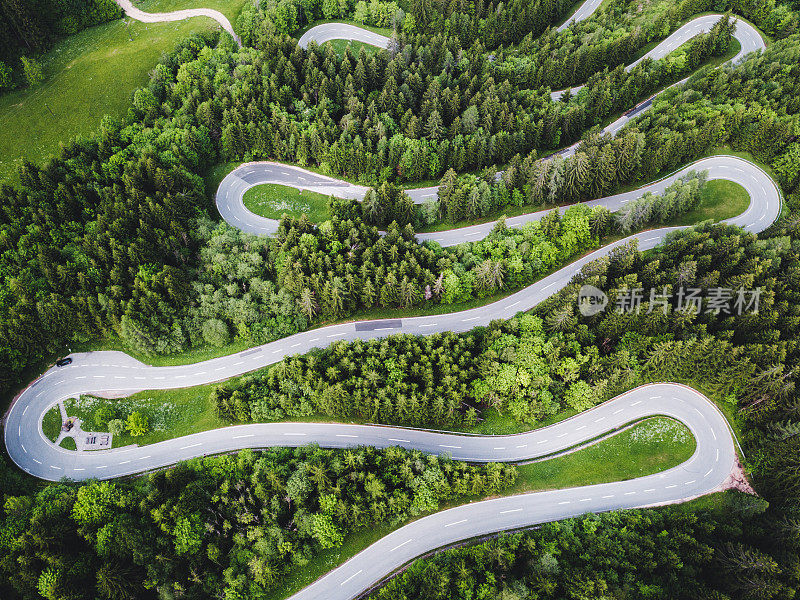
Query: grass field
{"x":170,"y":413}
{"x":91,"y":74}
{"x":273,"y":201}
{"x":720,"y":199}
{"x":654,"y":445}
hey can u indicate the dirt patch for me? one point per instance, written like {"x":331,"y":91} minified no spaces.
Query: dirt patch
{"x":737,"y":480}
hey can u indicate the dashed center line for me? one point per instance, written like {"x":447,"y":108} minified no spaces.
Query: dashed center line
{"x":351,"y":577}
{"x":456,"y":523}
{"x":400,"y":545}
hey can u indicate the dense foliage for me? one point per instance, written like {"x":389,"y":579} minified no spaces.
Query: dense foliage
{"x":227,"y":526}
{"x":112,"y":240}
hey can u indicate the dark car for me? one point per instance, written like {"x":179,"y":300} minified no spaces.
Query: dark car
{"x":62,"y":362}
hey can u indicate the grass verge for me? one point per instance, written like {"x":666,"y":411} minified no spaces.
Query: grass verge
{"x":720,"y":199}
{"x":51,"y":423}
{"x":273,"y":201}
{"x":68,"y":443}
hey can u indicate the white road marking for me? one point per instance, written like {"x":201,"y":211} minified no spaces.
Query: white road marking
{"x":513,"y":510}
{"x":669,"y":487}
{"x":190,"y":446}
{"x":351,"y":577}
{"x":456,"y":523}
{"x":400,"y":545}
{"x":244,"y":435}
{"x":398,"y":440}
{"x":564,"y":502}
{"x":607,"y":497}
{"x":690,"y":482}
{"x":629,"y":493}
{"x":294,"y":434}
{"x":446,"y":446}
{"x":346,"y":435}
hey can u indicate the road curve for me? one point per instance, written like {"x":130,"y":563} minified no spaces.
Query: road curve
{"x":326,"y":32}
{"x":764,"y":207}
{"x":749,"y":40}
{"x":231,"y":190}
{"x":342,"y":31}
{"x":178,"y":15}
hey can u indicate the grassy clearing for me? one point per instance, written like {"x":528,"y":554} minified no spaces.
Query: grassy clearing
{"x":68,"y":443}
{"x":649,"y":447}
{"x":273,"y":201}
{"x":340,"y":47}
{"x":170,"y":413}
{"x":51,"y":424}
{"x":654,"y":445}
{"x":88,"y":75}
{"x":720,"y":199}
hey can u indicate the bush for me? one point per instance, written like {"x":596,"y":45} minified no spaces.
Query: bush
{"x":6,"y":77}
{"x":137,"y":423}
{"x":34,"y":74}
{"x":116,"y":426}
{"x":102,"y":416}
{"x":216,"y":333}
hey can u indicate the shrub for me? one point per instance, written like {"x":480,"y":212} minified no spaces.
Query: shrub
{"x":34,"y":74}
{"x":137,"y":423}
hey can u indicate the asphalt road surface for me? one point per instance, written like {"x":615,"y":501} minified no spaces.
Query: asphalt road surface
{"x":342,"y":31}
{"x":178,"y":15}
{"x":748,"y":37}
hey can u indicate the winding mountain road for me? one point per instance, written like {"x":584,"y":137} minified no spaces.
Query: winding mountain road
{"x":117,"y":373}
{"x":747,"y":35}
{"x":178,"y":15}
{"x":229,"y":197}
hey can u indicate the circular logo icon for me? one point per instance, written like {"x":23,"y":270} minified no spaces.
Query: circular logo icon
{"x":591,"y":300}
